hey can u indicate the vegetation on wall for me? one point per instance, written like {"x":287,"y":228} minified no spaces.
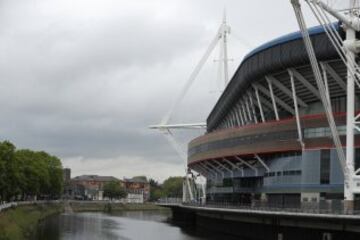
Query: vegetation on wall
{"x":21,"y":222}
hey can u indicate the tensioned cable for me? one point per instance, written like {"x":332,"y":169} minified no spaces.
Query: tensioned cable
{"x":335,"y":39}
{"x":331,"y":32}
{"x":241,"y":40}
{"x":320,"y":84}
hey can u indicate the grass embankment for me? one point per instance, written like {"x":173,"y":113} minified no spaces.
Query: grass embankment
{"x":21,"y":222}
{"x":104,"y":206}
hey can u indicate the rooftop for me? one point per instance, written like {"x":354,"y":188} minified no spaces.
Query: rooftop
{"x":96,"y":178}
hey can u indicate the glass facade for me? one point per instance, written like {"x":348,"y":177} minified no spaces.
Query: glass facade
{"x":323,"y":132}
{"x":325,"y":166}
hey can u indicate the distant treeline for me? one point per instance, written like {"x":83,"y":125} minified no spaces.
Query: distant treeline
{"x":26,"y":174}
{"x":170,"y":188}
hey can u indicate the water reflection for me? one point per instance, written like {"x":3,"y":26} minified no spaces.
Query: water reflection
{"x":132,"y":225}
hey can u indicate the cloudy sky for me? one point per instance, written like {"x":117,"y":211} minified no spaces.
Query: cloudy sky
{"x":82,"y":79}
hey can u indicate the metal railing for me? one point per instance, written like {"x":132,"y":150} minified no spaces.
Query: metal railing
{"x":7,"y":205}
{"x":334,"y":207}
{"x":170,"y":201}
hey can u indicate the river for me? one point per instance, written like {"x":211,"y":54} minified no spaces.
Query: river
{"x":131,"y":225}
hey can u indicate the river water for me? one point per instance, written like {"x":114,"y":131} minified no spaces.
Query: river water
{"x":132,"y":225}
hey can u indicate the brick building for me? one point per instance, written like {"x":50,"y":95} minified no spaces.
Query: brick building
{"x":92,"y":186}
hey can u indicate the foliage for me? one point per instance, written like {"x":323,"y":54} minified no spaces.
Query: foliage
{"x":113,"y":190}
{"x":153,"y":183}
{"x":172,"y":187}
{"x":156,"y":194}
{"x":8,"y":175}
{"x":155,"y":190}
{"x":28,"y":174}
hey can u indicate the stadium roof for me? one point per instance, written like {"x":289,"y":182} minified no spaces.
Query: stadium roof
{"x":274,"y":56}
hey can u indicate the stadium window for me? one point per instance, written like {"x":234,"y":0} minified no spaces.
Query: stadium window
{"x":357,"y":158}
{"x":325,"y":166}
{"x":342,"y":130}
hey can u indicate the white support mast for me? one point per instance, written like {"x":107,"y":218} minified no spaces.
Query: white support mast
{"x":165,"y":127}
{"x":350,"y":111}
{"x":225,"y":31}
{"x":347,"y":50}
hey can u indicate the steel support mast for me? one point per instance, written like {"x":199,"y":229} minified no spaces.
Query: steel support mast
{"x":347,"y":50}
{"x":350,"y":118}
{"x":165,"y":127}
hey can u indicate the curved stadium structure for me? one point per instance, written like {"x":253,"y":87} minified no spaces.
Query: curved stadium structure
{"x":252,"y":149}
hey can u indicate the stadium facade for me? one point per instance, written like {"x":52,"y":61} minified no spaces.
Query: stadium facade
{"x":254,"y":147}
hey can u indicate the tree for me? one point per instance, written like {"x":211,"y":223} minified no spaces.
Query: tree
{"x":8,"y":174}
{"x":172,"y":187}
{"x":113,"y":190}
{"x":28,"y":173}
{"x":155,"y":190}
{"x":41,"y":173}
{"x":30,"y":183}
{"x":54,"y":169}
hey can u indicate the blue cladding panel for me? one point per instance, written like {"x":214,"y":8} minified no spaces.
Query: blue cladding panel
{"x":280,"y":165}
{"x":336,"y":174}
{"x":311,"y":167}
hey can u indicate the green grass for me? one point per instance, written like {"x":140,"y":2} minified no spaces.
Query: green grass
{"x":21,"y":222}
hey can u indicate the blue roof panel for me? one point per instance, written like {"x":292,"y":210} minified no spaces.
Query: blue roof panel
{"x":287,"y":38}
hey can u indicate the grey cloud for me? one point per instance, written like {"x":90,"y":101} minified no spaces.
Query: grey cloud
{"x":83,"y":79}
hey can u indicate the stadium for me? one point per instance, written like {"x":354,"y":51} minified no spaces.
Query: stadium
{"x":267,"y":137}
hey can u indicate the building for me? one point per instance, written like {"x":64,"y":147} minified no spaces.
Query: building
{"x":90,"y":187}
{"x":67,"y":175}
{"x":254,"y":148}
{"x":138,"y":189}
{"x":67,"y":182}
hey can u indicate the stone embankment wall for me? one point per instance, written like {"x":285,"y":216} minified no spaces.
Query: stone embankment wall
{"x":20,"y":220}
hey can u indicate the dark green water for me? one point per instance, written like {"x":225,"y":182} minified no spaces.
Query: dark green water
{"x":134,"y":225}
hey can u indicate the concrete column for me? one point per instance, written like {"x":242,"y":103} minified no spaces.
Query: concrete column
{"x":264,"y":198}
{"x":349,"y":206}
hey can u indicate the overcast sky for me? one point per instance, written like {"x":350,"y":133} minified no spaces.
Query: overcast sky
{"x":82,"y":79}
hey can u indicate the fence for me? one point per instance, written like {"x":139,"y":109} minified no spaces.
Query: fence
{"x":170,"y":201}
{"x":336,"y":207}
{"x":7,"y":205}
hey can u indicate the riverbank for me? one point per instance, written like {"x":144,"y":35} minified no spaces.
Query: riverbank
{"x":20,"y":222}
{"x":97,"y":206}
